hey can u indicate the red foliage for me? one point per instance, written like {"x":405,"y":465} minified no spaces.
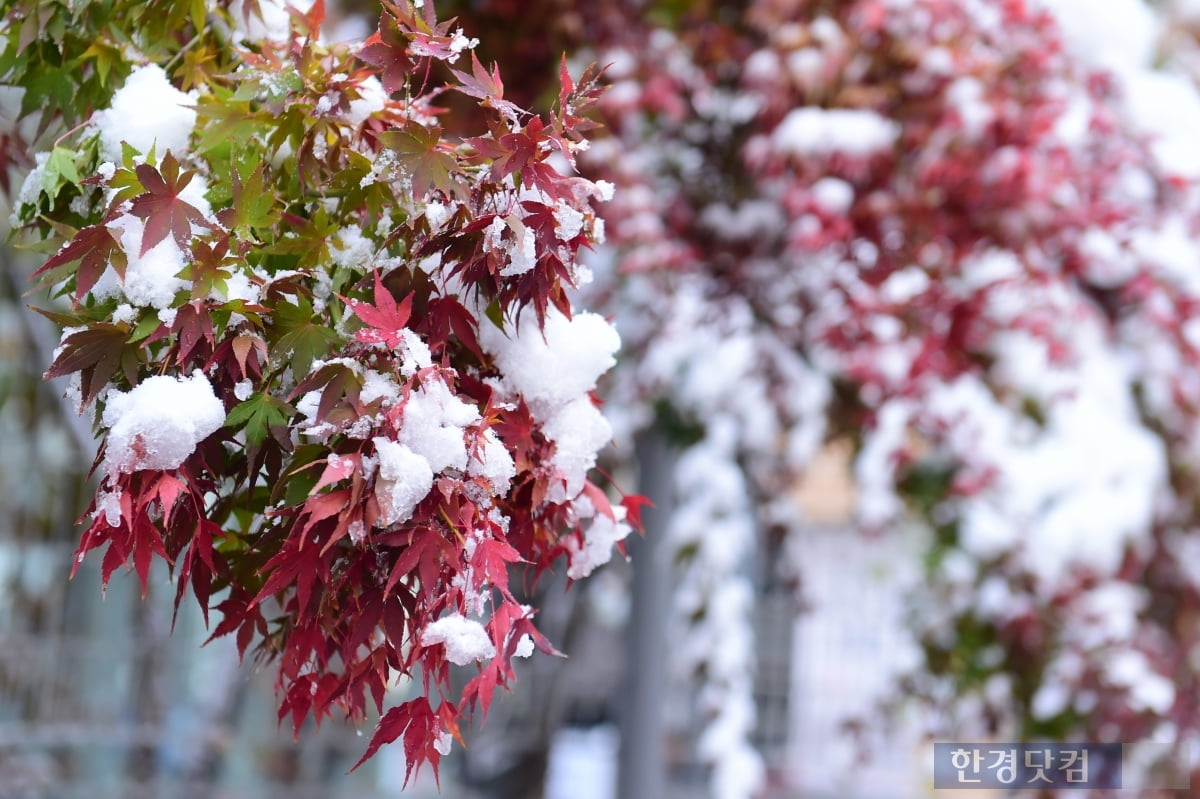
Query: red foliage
{"x":297,"y":519}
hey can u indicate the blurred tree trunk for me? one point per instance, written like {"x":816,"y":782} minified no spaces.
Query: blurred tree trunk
{"x":642,"y":758}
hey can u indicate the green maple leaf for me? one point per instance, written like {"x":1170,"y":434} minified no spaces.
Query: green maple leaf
{"x":420,"y":152}
{"x":253,"y":203}
{"x":209,"y":269}
{"x":228,"y":119}
{"x":311,"y":240}
{"x":258,"y":415}
{"x":296,"y":336}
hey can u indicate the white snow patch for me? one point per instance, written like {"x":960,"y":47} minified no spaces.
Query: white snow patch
{"x":557,"y":365}
{"x":567,"y":221}
{"x":578,"y":431}
{"x":405,"y":478}
{"x":271,"y":23}
{"x":466,"y":640}
{"x":158,"y":423}
{"x":833,"y":195}
{"x":1148,"y":690}
{"x":494,"y":463}
{"x":821,"y":131}
{"x":598,"y":541}
{"x":371,"y":100}
{"x":147,"y":111}
{"x":1122,"y":36}
{"x":434,"y":422}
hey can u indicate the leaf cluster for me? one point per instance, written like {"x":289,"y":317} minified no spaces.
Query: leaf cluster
{"x":320,"y":253}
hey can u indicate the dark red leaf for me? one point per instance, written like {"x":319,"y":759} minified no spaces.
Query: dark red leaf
{"x":162,"y":209}
{"x":95,"y":248}
{"x":387,"y":51}
{"x":415,"y":721}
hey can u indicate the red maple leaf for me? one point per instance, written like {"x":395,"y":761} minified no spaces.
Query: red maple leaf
{"x":95,"y":248}
{"x":387,"y":51}
{"x":161,"y":206}
{"x":385,"y":318}
{"x":416,"y":721}
{"x":492,"y":558}
{"x":486,"y":86}
{"x":511,"y":152}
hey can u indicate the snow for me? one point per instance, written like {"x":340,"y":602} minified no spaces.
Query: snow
{"x":578,"y":431}
{"x":604,"y":190}
{"x":493,"y":235}
{"x":714,"y":602}
{"x":1187,"y":10}
{"x":568,"y":221}
{"x":108,"y":505}
{"x":1070,"y":496}
{"x":1166,"y":109}
{"x":1107,"y":614}
{"x":598,"y":541}
{"x":271,"y":22}
{"x":378,"y":386}
{"x":1148,"y":690}
{"x":405,"y":478}
{"x":1073,"y":125}
{"x":1124,"y":39}
{"x":158,"y":423}
{"x":583,"y":763}
{"x":554,"y":370}
{"x":151,"y":279}
{"x":1172,"y":250}
{"x":1122,"y":36}
{"x":415,"y":352}
{"x":833,"y":195}
{"x":238,"y":286}
{"x":351,"y":249}
{"x":436,"y":213}
{"x":966,"y":95}
{"x":759,"y":219}
{"x":460,"y":42}
{"x":737,"y":768}
{"x":821,"y":131}
{"x":466,"y":640}
{"x":524,"y":647}
{"x":433,"y":426}
{"x":125,"y":313}
{"x":991,"y":266}
{"x":904,"y":285}
{"x":1053,"y":696}
{"x":521,"y":258}
{"x":877,"y":501}
{"x":493,"y":463}
{"x":147,"y":111}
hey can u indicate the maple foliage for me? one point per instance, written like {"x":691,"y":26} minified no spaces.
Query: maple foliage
{"x":278,"y":323}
